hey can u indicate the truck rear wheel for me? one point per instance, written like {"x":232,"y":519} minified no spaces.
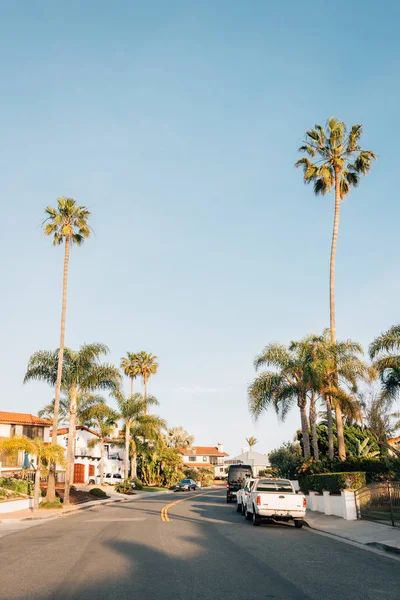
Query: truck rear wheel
{"x":298,"y":524}
{"x":256,"y":519}
{"x":247,"y":514}
{"x":239,"y":507}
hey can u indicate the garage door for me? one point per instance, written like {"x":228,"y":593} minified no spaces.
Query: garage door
{"x":79,"y":473}
{"x":91,"y":470}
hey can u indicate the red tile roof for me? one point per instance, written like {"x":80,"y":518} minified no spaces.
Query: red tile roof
{"x":394,"y":440}
{"x":199,"y":465}
{"x":65,"y":430}
{"x":202,"y":450}
{"x":21,"y":419}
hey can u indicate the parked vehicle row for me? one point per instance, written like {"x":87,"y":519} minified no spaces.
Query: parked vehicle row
{"x":270,"y":498}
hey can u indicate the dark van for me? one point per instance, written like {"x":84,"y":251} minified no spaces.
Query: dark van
{"x":237,"y":475}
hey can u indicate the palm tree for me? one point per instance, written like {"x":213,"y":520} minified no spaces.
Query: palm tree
{"x":132,"y":411}
{"x":130,"y":367}
{"x":67,"y":223}
{"x":104,"y":419}
{"x":336,"y":369}
{"x":252,"y":441}
{"x":178,"y":437}
{"x":44,"y":453}
{"x":340,"y":163}
{"x":82,"y":373}
{"x":385,"y":352}
{"x":147,"y":366}
{"x":290,"y":381}
{"x":83,"y":402}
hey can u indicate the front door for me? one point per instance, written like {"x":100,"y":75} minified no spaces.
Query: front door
{"x":79,"y":473}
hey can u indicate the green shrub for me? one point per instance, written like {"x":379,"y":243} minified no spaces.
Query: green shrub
{"x":98,"y":493}
{"x":46,"y":504}
{"x":332,"y":482}
{"x":125,"y":487}
{"x":138,"y":483}
{"x":375,"y":469}
{"x":17,"y":485}
{"x":202,"y":474}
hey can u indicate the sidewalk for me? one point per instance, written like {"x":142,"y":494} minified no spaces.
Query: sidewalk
{"x":382,"y":537}
{"x":23,"y":519}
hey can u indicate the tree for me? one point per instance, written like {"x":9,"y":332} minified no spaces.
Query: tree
{"x":335,"y":371}
{"x":130,"y":367}
{"x":380,"y":418}
{"x":83,"y":402}
{"x":178,"y":437}
{"x":252,"y":441}
{"x":82,"y":373}
{"x":68,"y":223}
{"x":104,"y":419}
{"x":289,"y":382}
{"x":132,"y":411}
{"x":340,"y":163}
{"x":44,"y":453}
{"x":385,"y":352}
{"x":147,"y":366}
{"x":286,"y":460}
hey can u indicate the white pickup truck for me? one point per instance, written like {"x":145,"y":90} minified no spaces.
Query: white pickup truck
{"x":275,"y":499}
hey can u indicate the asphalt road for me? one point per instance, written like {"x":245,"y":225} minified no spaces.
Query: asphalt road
{"x":206,"y":552}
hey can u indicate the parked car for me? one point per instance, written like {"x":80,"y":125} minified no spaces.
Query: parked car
{"x":185,"y":485}
{"x":110,"y":478}
{"x":237,"y":475}
{"x":242,"y":494}
{"x":275,"y":499}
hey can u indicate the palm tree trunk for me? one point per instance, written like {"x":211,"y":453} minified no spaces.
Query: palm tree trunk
{"x":131,"y":386}
{"x":134,"y":465}
{"x":145,"y":394}
{"x":101,"y":462}
{"x":36,"y":493}
{"x":313,"y":423}
{"x":69,"y":470}
{"x":51,"y":486}
{"x":127,"y":446}
{"x":304,"y":428}
{"x":339,"y":418}
{"x":330,"y":427}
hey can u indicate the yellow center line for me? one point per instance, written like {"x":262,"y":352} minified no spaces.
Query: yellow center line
{"x":164,"y":511}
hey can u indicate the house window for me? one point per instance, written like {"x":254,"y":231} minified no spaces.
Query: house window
{"x":205,"y":459}
{"x":33,"y":432}
{"x":192,"y":459}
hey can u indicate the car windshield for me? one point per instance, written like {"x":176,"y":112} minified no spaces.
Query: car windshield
{"x":185,"y":481}
{"x":265,"y":485}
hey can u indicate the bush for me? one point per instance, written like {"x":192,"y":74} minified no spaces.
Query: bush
{"x":375,"y":469}
{"x":56,"y":504}
{"x":202,"y":474}
{"x":98,"y":493}
{"x":125,"y":487}
{"x":286,"y":460}
{"x":333,"y":482}
{"x":21,"y":486}
{"x":138,"y":483}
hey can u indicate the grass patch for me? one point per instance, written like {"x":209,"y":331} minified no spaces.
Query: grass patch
{"x":47,"y":504}
{"x":154,"y":489}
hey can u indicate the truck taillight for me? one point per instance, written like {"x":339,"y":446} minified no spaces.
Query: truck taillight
{"x":258,"y":500}
{"x":227,"y":486}
{"x":304,"y":502}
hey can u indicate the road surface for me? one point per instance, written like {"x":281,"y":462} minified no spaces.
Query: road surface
{"x":200,"y":549}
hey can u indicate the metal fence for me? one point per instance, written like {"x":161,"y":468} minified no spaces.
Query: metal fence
{"x":380,"y":502}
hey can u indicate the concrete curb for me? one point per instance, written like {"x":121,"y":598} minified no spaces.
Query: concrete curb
{"x":378,"y":545}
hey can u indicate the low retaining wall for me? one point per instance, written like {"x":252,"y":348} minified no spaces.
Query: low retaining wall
{"x":13,"y":505}
{"x":341,"y":506}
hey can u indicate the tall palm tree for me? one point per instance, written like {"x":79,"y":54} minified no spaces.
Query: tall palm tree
{"x":132,"y":411}
{"x":178,"y":437}
{"x":130,"y":367}
{"x":104,"y":419}
{"x":340,"y":163}
{"x":44,"y":453}
{"x":252,"y":441}
{"x":289,"y":382}
{"x":68,"y":223}
{"x":147,"y":366}
{"x":82,"y":373}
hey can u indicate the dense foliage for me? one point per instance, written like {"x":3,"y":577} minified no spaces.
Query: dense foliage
{"x":332,"y":482}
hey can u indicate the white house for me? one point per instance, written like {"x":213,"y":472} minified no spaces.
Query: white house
{"x":205,"y":456}
{"x":87,"y":459}
{"x":256,"y":460}
{"x":11,"y":424}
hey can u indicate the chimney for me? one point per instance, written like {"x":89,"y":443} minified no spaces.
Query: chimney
{"x":220,"y":447}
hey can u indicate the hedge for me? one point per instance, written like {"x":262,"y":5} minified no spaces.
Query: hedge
{"x":333,"y":482}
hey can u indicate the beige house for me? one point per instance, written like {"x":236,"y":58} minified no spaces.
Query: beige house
{"x":205,"y":456}
{"x":11,"y":424}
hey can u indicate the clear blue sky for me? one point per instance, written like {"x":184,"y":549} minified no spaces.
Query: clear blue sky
{"x":178,"y":124}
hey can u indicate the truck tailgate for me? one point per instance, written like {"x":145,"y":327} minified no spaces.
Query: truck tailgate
{"x":280,"y":502}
